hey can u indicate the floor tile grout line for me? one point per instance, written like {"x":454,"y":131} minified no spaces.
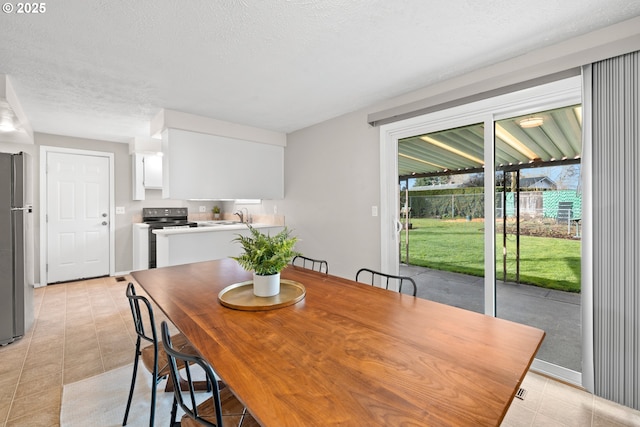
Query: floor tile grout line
{"x":131,"y":337}
{"x":120,"y":315}
{"x":64,"y":344}
{"x":64,"y":335}
{"x":546,"y":390}
{"x":95,"y":329}
{"x":539,"y":406}
{"x":17,"y":383}
{"x":26,"y":354}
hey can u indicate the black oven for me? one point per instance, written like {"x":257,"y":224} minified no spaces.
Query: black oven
{"x":158,"y":218}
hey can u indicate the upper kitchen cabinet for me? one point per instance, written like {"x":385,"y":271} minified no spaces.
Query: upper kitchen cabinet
{"x":147,"y":174}
{"x":146,"y":160}
{"x":152,"y":171}
{"x":203,"y":166}
{"x":206,"y":158}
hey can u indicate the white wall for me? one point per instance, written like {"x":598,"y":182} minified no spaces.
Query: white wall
{"x":332,"y":169}
{"x":123,"y":189}
{"x":331,"y":181}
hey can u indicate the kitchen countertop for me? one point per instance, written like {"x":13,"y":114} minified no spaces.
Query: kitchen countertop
{"x":209,"y":226}
{"x":209,"y":241}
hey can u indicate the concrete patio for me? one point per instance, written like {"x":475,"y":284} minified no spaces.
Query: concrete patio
{"x":555,"y":312}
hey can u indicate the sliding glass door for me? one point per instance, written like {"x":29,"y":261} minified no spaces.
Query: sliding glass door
{"x":505,"y":243}
{"x":538,"y":235}
{"x":442,"y":214}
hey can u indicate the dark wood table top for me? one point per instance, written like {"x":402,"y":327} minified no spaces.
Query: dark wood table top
{"x":348,"y":354}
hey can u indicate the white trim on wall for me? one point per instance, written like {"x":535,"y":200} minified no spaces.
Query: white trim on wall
{"x":530,"y":69}
{"x":588,"y":364}
{"x":389,"y":212}
{"x":490,"y":298}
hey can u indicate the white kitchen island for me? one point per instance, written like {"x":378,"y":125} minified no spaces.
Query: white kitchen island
{"x":203,"y":243}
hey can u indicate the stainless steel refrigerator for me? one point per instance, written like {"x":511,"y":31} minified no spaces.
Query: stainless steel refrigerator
{"x":16,"y":246}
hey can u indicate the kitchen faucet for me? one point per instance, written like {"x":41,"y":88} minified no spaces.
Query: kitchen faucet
{"x":243,"y":217}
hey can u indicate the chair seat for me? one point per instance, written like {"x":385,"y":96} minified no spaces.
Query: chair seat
{"x":231,"y":411}
{"x":181,"y":344}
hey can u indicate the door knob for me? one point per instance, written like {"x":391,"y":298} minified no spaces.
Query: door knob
{"x":104,"y":215}
{"x":104,"y":222}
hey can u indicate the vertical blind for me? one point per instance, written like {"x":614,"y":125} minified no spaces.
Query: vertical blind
{"x":616,"y":233}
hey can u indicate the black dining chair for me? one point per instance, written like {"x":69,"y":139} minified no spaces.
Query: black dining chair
{"x":386,"y":278}
{"x":153,"y":355}
{"x":220,"y":410}
{"x":312,"y":264}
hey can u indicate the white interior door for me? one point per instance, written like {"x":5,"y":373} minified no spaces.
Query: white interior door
{"x":77,"y":216}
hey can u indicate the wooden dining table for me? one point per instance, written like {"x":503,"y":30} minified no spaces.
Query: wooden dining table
{"x":348,"y":353}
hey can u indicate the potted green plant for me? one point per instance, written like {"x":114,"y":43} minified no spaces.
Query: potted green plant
{"x":216,"y":212}
{"x":266,"y":256}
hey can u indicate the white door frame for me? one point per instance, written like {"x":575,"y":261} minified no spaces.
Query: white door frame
{"x":44,"y":150}
{"x":548,"y":96}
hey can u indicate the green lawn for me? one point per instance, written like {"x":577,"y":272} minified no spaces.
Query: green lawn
{"x":459,"y":247}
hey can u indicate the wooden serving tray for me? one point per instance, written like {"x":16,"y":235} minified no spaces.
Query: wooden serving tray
{"x":239,"y":296}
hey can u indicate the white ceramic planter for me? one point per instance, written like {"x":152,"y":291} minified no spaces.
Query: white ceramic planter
{"x":266,"y":286}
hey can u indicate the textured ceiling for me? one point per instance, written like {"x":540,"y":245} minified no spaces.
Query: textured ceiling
{"x":103,"y":68}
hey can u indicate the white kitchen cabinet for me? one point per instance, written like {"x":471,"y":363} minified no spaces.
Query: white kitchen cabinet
{"x":147,"y":174}
{"x":188,"y":245}
{"x":140,"y":246}
{"x":152,"y":171}
{"x":203,"y":166}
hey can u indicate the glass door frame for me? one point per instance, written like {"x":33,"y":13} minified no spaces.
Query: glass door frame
{"x":488,"y":111}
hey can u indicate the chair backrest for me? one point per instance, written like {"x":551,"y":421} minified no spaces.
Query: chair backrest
{"x":189,"y":406}
{"x":142,"y":318}
{"x":386,"y":278}
{"x":312,"y":264}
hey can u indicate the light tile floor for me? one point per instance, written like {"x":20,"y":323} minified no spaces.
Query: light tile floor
{"x":81,"y":329}
{"x":549,"y":403}
{"x":84,"y":328}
